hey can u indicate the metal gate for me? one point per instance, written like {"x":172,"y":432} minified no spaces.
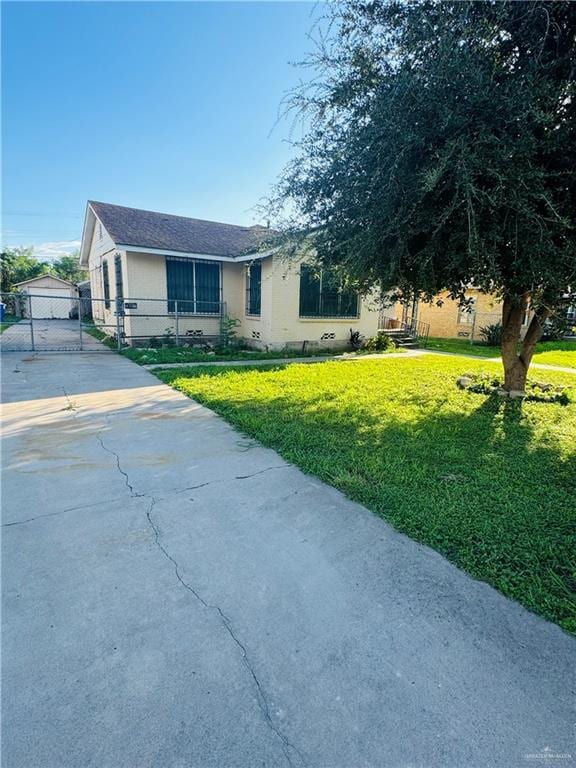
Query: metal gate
{"x":45,"y":322}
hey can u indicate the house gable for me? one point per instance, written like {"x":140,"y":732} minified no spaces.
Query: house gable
{"x":96,"y":240}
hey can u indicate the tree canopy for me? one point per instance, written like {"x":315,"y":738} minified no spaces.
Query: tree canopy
{"x":68,"y":268}
{"x":441,"y":153}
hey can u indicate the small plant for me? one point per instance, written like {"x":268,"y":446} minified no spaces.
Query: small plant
{"x":355,"y":340}
{"x":154,"y":342}
{"x":379,"y":343}
{"x":228,"y":338}
{"x":491,"y":335}
{"x":168,"y":339}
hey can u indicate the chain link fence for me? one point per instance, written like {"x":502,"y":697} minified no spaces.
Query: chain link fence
{"x":51,"y":322}
{"x":485,"y":327}
{"x":159,"y":322}
{"x":480,"y":327}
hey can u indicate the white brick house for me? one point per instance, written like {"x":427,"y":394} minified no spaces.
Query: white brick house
{"x":169,"y":271}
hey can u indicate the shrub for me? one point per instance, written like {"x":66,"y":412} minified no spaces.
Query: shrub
{"x":491,"y":335}
{"x":228,"y":338}
{"x":379,"y":343}
{"x":168,"y":338}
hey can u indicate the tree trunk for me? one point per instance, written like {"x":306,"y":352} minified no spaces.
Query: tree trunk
{"x":516,"y":364}
{"x":515,"y":375}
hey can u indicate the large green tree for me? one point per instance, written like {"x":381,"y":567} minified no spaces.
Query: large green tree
{"x":18,"y":264}
{"x":68,"y":268}
{"x":441,"y":153}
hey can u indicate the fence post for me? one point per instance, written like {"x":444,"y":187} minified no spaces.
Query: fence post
{"x":80,"y":320}
{"x":31,"y":322}
{"x":223,"y":310}
{"x":118,"y":324}
{"x":473,"y":328}
{"x":176,"y":332}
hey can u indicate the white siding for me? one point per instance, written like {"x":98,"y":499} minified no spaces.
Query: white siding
{"x":102,"y":248}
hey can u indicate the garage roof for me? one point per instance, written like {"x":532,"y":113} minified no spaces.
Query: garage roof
{"x":43,"y":277}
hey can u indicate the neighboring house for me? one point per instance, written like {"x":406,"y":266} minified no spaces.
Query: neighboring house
{"x":173,"y":274}
{"x":449,"y":320}
{"x":50,"y":297}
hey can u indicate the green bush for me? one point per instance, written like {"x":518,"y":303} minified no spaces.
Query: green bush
{"x":492,"y":334}
{"x":229,"y":340}
{"x":379,"y":343}
{"x":168,"y":338}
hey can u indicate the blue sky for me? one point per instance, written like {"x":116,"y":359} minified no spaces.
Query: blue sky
{"x":167,"y":106}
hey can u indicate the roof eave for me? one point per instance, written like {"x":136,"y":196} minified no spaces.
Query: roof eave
{"x":193,"y":255}
{"x":87,"y":235}
{"x":257,"y":254}
{"x":41,"y":277}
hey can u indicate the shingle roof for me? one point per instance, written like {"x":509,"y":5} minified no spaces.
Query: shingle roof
{"x":149,"y":229}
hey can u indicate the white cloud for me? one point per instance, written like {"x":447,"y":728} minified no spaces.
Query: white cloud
{"x":53,"y":251}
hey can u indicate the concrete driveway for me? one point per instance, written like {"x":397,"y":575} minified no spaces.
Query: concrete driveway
{"x":176,"y":596}
{"x":49,"y":335}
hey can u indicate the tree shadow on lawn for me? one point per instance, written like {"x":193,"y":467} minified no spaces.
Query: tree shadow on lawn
{"x":483,"y":487}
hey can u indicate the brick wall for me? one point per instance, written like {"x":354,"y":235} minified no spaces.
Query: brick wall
{"x":448,"y":321}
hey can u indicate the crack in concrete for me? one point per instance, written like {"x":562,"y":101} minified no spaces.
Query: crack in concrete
{"x":223,"y":480}
{"x":246,"y":445}
{"x":261,"y":471}
{"x":224,"y":619}
{"x":61,"y":512}
{"x":119,"y":467}
{"x":189,"y":487}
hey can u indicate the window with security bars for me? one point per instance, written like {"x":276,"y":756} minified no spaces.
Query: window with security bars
{"x":322,"y":294}
{"x":194,"y":285}
{"x":118,"y":276}
{"x":106,"y":284}
{"x":254,"y":288}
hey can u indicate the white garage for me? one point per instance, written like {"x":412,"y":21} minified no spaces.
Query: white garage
{"x":51,"y":298}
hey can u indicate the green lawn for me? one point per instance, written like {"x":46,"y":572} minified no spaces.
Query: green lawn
{"x":94,"y":331}
{"x":8,"y":322}
{"x":561,"y":353}
{"x":461,"y":347}
{"x":556,"y":353}
{"x":490,"y":484}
